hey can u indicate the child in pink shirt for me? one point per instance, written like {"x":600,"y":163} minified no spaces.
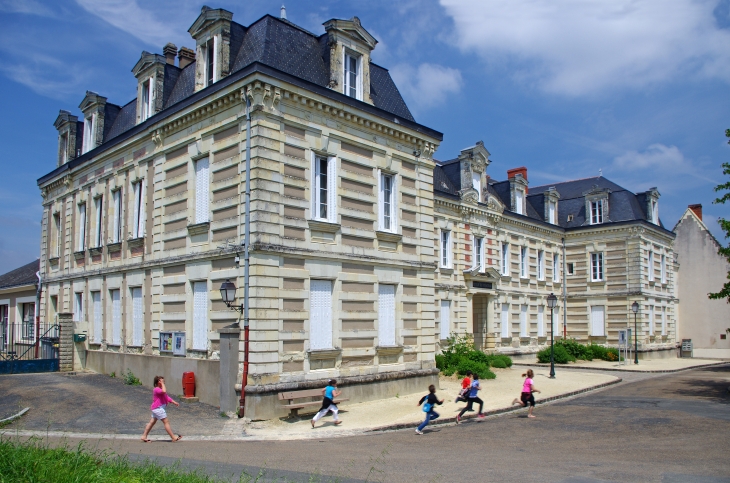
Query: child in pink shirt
{"x":528,"y":388}
{"x":160,"y":400}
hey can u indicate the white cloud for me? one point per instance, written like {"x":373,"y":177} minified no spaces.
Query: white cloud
{"x":577,"y":47}
{"x":655,"y":156}
{"x":30,"y":7}
{"x":47,"y":76}
{"x":426,"y":85}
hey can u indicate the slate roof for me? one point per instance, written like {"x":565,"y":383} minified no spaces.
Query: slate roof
{"x":277,"y":43}
{"x":24,"y":275}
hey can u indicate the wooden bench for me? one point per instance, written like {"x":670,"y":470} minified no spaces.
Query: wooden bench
{"x":301,"y":400}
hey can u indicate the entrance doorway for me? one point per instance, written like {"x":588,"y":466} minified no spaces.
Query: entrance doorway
{"x":480,"y":317}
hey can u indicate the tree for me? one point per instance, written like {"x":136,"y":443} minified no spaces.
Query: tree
{"x":725,"y":225}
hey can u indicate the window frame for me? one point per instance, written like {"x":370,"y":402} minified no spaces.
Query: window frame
{"x":202,"y":193}
{"x":556,"y":268}
{"x":330,"y":189}
{"x":650,"y":266}
{"x":663,"y":268}
{"x":147,"y":95}
{"x":346,"y":84}
{"x":56,"y":240}
{"x":209,"y":48}
{"x":387,"y":205}
{"x":552,"y":212}
{"x":519,"y":201}
{"x":79,"y":306}
{"x":504,"y":259}
{"x":597,"y":214}
{"x":98,"y":229}
{"x":570,"y":267}
{"x":541,"y":265}
{"x":81,"y":228}
{"x":524,"y":257}
{"x":598,"y":267}
{"x":476,"y":183}
{"x":86,"y":142}
{"x":138,"y":221}
{"x":655,"y":212}
{"x":118,"y":218}
{"x":445,"y":249}
{"x":479,"y":254}
{"x":27,"y":318}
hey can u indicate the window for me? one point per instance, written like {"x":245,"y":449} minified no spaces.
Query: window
{"x":147,"y":92}
{"x":597,"y":321}
{"x":552,"y":213}
{"x":88,"y":143}
{"x":479,"y":254}
{"x":540,"y":265}
{"x":596,"y":267}
{"x":571,"y":269}
{"x":555,"y":321}
{"x":352,"y":76}
{"x":386,"y":206}
{"x":117,"y":226}
{"x":137,"y":317}
{"x":476,"y":183}
{"x":664,"y":269}
{"x":116,"y":317}
{"x":200,"y":316}
{"x":524,"y":328}
{"x":210,"y":62}
{"x":81,"y":244}
{"x":596,"y":212}
{"x":98,"y":233}
{"x":505,"y":259}
{"x":664,"y":321}
{"x":202,"y":191}
{"x":523,"y":262}
{"x":651,"y":320}
{"x":506,"y":329}
{"x":445,"y":326}
{"x":651,"y":266}
{"x":445,"y":249}
{"x":324,"y":189}
{"x":64,"y":148}
{"x":27,"y":315}
{"x":56,"y":236}
{"x":139,"y":215}
{"x":541,"y":321}
{"x":519,"y":202}
{"x":98,"y":321}
{"x":79,"y":307}
{"x":556,"y":268}
{"x":386,"y":315}
{"x":655,"y":212}
{"x":320,"y":314}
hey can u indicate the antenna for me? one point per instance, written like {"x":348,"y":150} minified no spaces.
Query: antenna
{"x":283,"y":12}
{"x":600,"y":172}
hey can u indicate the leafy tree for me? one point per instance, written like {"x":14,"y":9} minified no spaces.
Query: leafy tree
{"x":725,"y":225}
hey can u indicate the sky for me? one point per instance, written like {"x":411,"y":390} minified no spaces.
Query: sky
{"x":635,"y":90}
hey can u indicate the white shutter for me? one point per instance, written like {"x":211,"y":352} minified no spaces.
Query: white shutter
{"x":117,"y":195}
{"x":151,"y":96}
{"x":506,"y":329}
{"x":445,"y":319}
{"x":137,"y":317}
{"x":524,"y":329}
{"x":651,"y":320}
{"x":313,"y":188}
{"x":664,"y":321}
{"x":135,"y":213}
{"x":597,"y":321}
{"x":200,"y":316}
{"x":320,"y":314}
{"x":476,"y":183}
{"x":97,"y":332}
{"x":98,"y":206}
{"x":202,"y":190}
{"x":551,"y":213}
{"x":142,"y":210}
{"x":386,"y":315}
{"x":332,"y":190}
{"x":541,"y":321}
{"x":116,"y":318}
{"x":381,"y":202}
{"x":556,"y":322}
{"x":394,"y":204}
{"x":518,"y":202}
{"x":82,"y":227}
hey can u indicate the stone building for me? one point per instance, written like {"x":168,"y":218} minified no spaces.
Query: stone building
{"x":504,"y":247}
{"x":701,"y":271}
{"x":144,"y":214}
{"x":18,"y":294}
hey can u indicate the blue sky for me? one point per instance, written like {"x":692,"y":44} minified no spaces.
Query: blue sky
{"x":636,"y":89}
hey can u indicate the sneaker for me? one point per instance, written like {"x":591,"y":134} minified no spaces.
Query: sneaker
{"x":480,"y":416}
{"x":418,"y":431}
{"x":312,"y":421}
{"x":458,"y":419}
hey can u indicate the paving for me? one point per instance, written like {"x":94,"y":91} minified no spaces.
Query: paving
{"x":644,"y":365}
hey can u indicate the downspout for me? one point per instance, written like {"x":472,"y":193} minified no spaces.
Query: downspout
{"x":37,"y":313}
{"x":565,"y":295}
{"x":246,"y":243}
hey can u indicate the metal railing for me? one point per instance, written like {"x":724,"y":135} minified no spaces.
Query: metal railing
{"x":29,"y":340}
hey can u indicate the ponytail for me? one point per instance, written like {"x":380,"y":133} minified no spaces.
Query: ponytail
{"x":529,"y":373}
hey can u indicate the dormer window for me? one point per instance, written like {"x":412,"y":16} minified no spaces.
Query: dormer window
{"x":353,"y":79}
{"x":210,"y":62}
{"x":476,"y":183}
{"x":64,"y":149}
{"x":88,"y":144}
{"x":146,"y":100}
{"x":519,"y":202}
{"x":597,"y":212}
{"x":553,"y":213}
{"x":655,"y":212}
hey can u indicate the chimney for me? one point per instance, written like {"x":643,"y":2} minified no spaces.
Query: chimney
{"x":186,"y":57}
{"x":522,"y":170}
{"x":697,"y":210}
{"x":170,"y":51}
{"x":283,"y":12}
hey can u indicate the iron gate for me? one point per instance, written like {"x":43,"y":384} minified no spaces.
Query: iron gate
{"x":29,"y":346}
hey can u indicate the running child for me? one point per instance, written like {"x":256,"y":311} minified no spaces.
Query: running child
{"x":473,"y":398}
{"x":430,"y":401}
{"x":527,"y":397}
{"x":160,"y":400}
{"x":328,"y":403}
{"x":465,"y":387}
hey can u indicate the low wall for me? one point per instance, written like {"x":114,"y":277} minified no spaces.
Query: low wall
{"x":711,"y":353}
{"x":146,"y":367}
{"x":262,"y":402}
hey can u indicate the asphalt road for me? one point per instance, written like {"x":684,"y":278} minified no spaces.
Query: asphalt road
{"x":669,"y":428}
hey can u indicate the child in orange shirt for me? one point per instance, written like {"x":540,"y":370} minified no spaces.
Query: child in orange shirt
{"x":465,"y":386}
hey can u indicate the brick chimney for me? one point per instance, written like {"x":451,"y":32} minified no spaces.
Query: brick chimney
{"x":186,"y":57}
{"x":697,"y":210}
{"x":170,"y":51}
{"x":514,"y":171}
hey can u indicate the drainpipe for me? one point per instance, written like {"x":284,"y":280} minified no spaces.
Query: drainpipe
{"x":37,"y":313}
{"x":565,"y":295}
{"x":246,"y":243}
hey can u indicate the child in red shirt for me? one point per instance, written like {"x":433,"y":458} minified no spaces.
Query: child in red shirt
{"x":465,"y":385}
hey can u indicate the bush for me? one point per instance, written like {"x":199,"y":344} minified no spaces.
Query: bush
{"x":612,"y":354}
{"x":130,"y":379}
{"x":459,"y":356}
{"x":576,"y":351}
{"x":500,"y":361}
{"x":562,"y":356}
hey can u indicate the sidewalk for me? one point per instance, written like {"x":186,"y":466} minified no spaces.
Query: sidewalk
{"x":644,"y":365}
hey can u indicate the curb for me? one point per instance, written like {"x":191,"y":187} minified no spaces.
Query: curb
{"x":497,"y":412}
{"x":14,"y":416}
{"x":613,"y":369}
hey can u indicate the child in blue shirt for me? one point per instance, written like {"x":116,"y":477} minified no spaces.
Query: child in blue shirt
{"x":473,"y":398}
{"x":328,"y":403}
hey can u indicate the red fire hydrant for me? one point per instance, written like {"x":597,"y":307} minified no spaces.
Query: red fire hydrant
{"x":188,"y":384}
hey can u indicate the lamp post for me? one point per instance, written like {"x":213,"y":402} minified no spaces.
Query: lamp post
{"x":228,"y":294}
{"x":552,"y":300}
{"x":635,"y":310}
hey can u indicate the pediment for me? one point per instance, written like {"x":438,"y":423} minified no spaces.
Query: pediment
{"x":208,"y":16}
{"x":147,"y":60}
{"x":90,"y":100}
{"x":490,"y":274}
{"x":63,"y":118}
{"x":596,"y":192}
{"x":477,"y":155}
{"x":353,"y":28}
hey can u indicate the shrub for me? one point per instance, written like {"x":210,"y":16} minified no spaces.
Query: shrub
{"x":500,"y":361}
{"x":459,"y":356}
{"x":562,"y":356}
{"x":579,"y":351}
{"x":598,"y":352}
{"x":612,"y":354}
{"x":130,"y":379}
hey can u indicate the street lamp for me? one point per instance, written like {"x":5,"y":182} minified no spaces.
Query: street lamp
{"x":228,"y":294}
{"x":635,"y":309}
{"x":552,"y":300}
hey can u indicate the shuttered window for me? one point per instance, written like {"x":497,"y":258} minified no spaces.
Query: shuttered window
{"x":664,"y":321}
{"x":556,"y":268}
{"x":98,"y":321}
{"x":117,"y":223}
{"x":200,"y":316}
{"x":137,"y":317}
{"x":81,"y":245}
{"x":506,"y":329}
{"x":524,"y":327}
{"x":116,"y":317}
{"x":139,"y":214}
{"x":479,"y":254}
{"x":519,"y":202}
{"x":99,"y":207}
{"x":445,"y":319}
{"x":540,"y":265}
{"x":541,"y":321}
{"x":386,"y":315}
{"x":598,"y":327}
{"x":505,"y":259}
{"x":202,"y":191}
{"x":320,"y":314}
{"x":651,"y":320}
{"x":79,"y":307}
